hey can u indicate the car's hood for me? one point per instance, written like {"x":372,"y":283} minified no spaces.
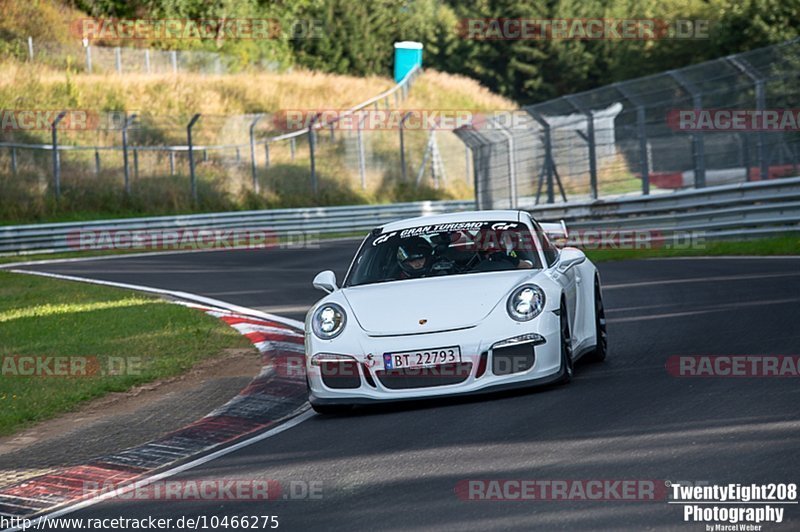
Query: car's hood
{"x":453,"y":302}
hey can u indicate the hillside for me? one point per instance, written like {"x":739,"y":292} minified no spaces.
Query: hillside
{"x":160,"y":184}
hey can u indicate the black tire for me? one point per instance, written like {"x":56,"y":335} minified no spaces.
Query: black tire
{"x":601,"y":349}
{"x":567,"y":369}
{"x":331,"y":410}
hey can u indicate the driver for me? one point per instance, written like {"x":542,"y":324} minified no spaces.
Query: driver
{"x":414,"y":257}
{"x":500,"y":247}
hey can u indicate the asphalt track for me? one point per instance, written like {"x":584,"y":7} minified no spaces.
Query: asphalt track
{"x":393,"y":468}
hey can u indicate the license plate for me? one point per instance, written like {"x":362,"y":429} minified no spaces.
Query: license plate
{"x":421,"y":358}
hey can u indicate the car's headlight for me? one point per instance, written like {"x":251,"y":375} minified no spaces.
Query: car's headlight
{"x":328,"y":321}
{"x":526,"y":302}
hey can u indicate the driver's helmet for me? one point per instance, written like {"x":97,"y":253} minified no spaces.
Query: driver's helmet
{"x":414,"y":256}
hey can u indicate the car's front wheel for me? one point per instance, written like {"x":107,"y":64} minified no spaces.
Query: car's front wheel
{"x":601,"y":349}
{"x":567,"y":369}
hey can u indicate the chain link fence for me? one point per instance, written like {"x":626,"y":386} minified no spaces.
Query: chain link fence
{"x":126,"y":60}
{"x":725,"y":121}
{"x":196,"y":160}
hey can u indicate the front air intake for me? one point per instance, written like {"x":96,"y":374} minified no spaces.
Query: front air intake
{"x":340,"y":375}
{"x":513,"y":359}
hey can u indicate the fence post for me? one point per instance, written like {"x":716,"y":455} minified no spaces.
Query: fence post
{"x":266,"y":154}
{"x":362,"y":163}
{"x":644,"y":161}
{"x":403,"y":146}
{"x":56,"y":159}
{"x":118,"y":59}
{"x":126,"y":123}
{"x":549,"y":169}
{"x":512,"y":170}
{"x":174,"y":59}
{"x":97,"y":162}
{"x":758,"y":83}
{"x":14,"y":161}
{"x":89,"y":58}
{"x":147,"y":60}
{"x":292,"y":147}
{"x":253,"y":151}
{"x":467,"y":162}
{"x":30,"y":49}
{"x":641,"y":126}
{"x":698,"y":147}
{"x":592,"y":154}
{"x":312,"y":141}
{"x":135,"y":163}
{"x":189,"y":127}
{"x":590,"y":142}
{"x":171,"y":162}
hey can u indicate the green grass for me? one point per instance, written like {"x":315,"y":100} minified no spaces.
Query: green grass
{"x":49,"y":318}
{"x":783,"y":245}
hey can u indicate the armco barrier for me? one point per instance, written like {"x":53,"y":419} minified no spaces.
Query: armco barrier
{"x":742,"y":210}
{"x":48,"y":238}
{"x":760,"y":208}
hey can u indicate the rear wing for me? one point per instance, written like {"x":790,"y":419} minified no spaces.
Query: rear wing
{"x":556,"y":232}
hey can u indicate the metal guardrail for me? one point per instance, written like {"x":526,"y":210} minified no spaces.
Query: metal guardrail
{"x":743,"y":210}
{"x":55,"y":237}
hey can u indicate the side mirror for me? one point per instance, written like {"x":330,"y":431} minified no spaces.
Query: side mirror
{"x":325,"y":281}
{"x":568,"y":258}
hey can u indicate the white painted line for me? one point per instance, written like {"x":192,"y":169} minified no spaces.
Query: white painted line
{"x":708,"y":310}
{"x":177,"y":294}
{"x":726,"y":257}
{"x":743,"y":277}
{"x":35,"y":523}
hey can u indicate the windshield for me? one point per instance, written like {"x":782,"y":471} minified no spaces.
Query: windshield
{"x":444,"y":249}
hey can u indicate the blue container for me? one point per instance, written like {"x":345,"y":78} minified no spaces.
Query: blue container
{"x":407,"y":55}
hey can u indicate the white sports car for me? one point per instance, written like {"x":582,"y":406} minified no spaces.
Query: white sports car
{"x":449,"y":305}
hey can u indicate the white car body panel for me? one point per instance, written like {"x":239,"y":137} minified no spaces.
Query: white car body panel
{"x":468,"y":311}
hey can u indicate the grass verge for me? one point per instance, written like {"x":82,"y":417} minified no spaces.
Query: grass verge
{"x":120,"y":338}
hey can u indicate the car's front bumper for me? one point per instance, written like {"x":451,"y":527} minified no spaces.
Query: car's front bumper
{"x":475,"y":343}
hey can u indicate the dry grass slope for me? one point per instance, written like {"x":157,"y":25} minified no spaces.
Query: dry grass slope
{"x":224,"y":182}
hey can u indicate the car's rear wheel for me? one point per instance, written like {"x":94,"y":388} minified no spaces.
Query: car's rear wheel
{"x":601,"y":349}
{"x":567,"y":369}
